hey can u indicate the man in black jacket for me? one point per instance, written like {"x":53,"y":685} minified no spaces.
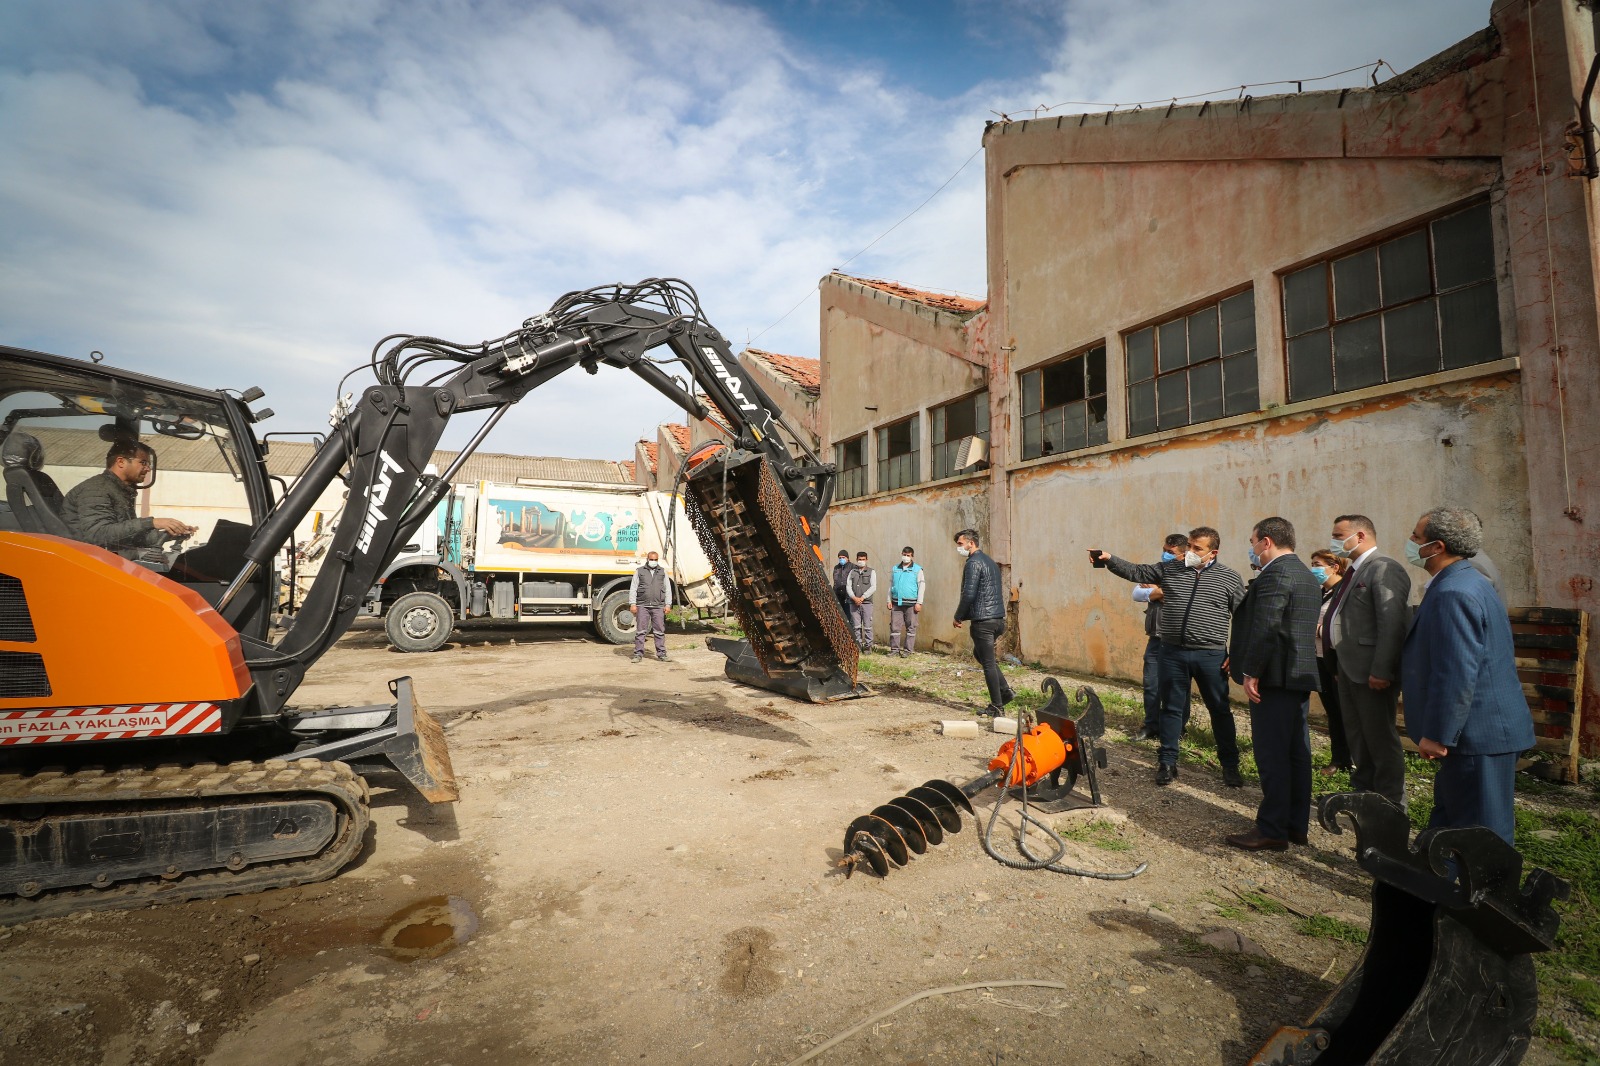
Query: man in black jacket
{"x":1199,"y":595}
{"x":983,"y":604}
{"x":1274,"y":656}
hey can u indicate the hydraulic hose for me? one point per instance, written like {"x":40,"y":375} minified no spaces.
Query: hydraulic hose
{"x":1032,"y":861}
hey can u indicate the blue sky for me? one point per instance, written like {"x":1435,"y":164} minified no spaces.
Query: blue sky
{"x":237,"y":194}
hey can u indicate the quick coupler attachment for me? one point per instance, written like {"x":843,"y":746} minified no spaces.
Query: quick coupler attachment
{"x":1447,"y":978}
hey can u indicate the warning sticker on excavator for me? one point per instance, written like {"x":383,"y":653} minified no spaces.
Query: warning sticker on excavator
{"x":108,"y":723}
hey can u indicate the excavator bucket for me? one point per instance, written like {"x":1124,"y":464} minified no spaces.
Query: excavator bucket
{"x":796,"y":640}
{"x":1447,"y":978}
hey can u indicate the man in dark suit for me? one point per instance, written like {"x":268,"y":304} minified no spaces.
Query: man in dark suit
{"x":1463,"y":700}
{"x":1365,"y":627}
{"x":1274,"y":656}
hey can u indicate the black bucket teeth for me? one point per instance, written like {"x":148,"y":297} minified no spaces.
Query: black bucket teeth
{"x":891,"y":833}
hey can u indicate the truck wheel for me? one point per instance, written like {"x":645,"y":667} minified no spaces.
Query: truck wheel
{"x":614,"y":622}
{"x":419,"y":621}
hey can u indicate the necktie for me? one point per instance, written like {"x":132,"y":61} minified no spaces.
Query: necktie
{"x":1333,"y":609}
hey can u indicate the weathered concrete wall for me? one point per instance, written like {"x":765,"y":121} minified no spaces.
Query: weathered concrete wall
{"x":1148,"y":239}
{"x":800,"y":407}
{"x":1385,"y":457}
{"x":881,"y":352}
{"x":926,"y":519}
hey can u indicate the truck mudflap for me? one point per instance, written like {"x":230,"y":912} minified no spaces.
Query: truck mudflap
{"x":1448,"y":974}
{"x":403,"y":735}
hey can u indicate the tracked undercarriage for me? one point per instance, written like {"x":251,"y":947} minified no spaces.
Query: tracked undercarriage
{"x":103,"y":839}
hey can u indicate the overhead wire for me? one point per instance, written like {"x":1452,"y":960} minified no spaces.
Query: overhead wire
{"x":1374,"y":67}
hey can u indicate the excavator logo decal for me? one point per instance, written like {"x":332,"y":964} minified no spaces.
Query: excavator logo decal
{"x":375,"y":497}
{"x":734,"y":385}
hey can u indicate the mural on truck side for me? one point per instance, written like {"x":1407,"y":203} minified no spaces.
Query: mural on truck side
{"x":553,"y":524}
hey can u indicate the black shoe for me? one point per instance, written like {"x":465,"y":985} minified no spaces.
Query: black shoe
{"x":1166,"y":774}
{"x":1232,"y":778}
{"x":991,"y":711}
{"x":1147,"y":733}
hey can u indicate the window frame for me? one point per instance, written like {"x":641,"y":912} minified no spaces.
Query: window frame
{"x":1138,"y":424}
{"x":845,"y":484}
{"x":1092,"y":436}
{"x":891,"y":467}
{"x":944,"y":451}
{"x":1380,"y":313}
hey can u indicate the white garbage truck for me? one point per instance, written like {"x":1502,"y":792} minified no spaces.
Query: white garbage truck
{"x":548,"y":552}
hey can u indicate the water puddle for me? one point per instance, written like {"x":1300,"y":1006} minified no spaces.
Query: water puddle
{"x":428,"y":929}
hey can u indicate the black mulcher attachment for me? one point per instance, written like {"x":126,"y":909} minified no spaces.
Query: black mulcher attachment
{"x":1054,"y":755}
{"x":1448,"y":976}
{"x":796,"y":640}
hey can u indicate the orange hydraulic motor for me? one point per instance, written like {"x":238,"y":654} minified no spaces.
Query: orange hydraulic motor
{"x":1043,"y":752}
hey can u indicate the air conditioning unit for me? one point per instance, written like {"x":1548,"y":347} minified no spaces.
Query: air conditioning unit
{"x":970,"y":452}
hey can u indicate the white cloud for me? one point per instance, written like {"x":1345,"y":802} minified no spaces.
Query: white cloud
{"x":241,"y":194}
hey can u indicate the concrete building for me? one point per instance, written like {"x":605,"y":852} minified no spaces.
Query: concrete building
{"x":1375,"y":300}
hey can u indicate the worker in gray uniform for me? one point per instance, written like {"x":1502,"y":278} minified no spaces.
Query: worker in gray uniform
{"x":861,"y":583}
{"x":649,"y":593}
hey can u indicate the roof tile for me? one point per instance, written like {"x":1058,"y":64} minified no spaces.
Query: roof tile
{"x":939,"y":301}
{"x":807,"y":373}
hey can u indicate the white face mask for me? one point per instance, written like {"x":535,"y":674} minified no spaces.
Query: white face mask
{"x":963,"y":550}
{"x":1191,"y":559}
{"x":651,"y":562}
{"x":905,"y":559}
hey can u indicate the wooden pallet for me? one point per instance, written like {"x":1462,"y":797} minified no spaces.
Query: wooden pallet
{"x":1550,"y":646}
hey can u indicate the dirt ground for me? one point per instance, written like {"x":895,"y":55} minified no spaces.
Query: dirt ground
{"x":642,"y":869}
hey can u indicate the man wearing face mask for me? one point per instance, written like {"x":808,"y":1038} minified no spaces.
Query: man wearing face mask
{"x":1172,"y":549}
{"x":841,"y":582}
{"x":1200,"y":595}
{"x":983,"y":603}
{"x":648,"y":595}
{"x":1365,"y":627}
{"x":860,"y":585}
{"x":906,"y":585}
{"x":1464,"y":701}
{"x":1274,"y":656}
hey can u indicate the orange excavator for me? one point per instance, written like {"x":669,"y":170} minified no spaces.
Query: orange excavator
{"x":148,"y":751}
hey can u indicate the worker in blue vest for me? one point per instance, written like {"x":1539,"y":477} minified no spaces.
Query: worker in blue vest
{"x":906,"y":586}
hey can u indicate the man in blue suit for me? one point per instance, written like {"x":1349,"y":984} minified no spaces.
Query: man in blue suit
{"x":1458,"y":675}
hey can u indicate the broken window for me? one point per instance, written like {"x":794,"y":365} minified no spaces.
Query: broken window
{"x":1064,"y":404}
{"x":954,"y":423}
{"x":897,"y":455}
{"x":1408,"y":306}
{"x":1194,"y":367}
{"x":850,"y":457}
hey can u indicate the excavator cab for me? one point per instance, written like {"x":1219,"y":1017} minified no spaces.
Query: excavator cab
{"x":59,"y":420}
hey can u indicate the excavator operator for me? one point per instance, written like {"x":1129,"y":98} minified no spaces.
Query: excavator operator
{"x":100,"y":509}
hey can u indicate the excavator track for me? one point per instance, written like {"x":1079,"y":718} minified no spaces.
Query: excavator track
{"x":112,"y":839}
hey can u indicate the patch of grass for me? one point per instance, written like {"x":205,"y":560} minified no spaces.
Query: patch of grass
{"x":1328,"y":928}
{"x":1103,"y":835}
{"x":1567,"y":843}
{"x":1262,"y":903}
{"x":1227,"y":906}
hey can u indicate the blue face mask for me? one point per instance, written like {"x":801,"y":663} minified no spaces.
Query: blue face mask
{"x":1320,"y":573}
{"x":1255,"y":560}
{"x":1168,"y":557}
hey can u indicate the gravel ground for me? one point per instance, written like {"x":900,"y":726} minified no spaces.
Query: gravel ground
{"x":644,"y":868}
